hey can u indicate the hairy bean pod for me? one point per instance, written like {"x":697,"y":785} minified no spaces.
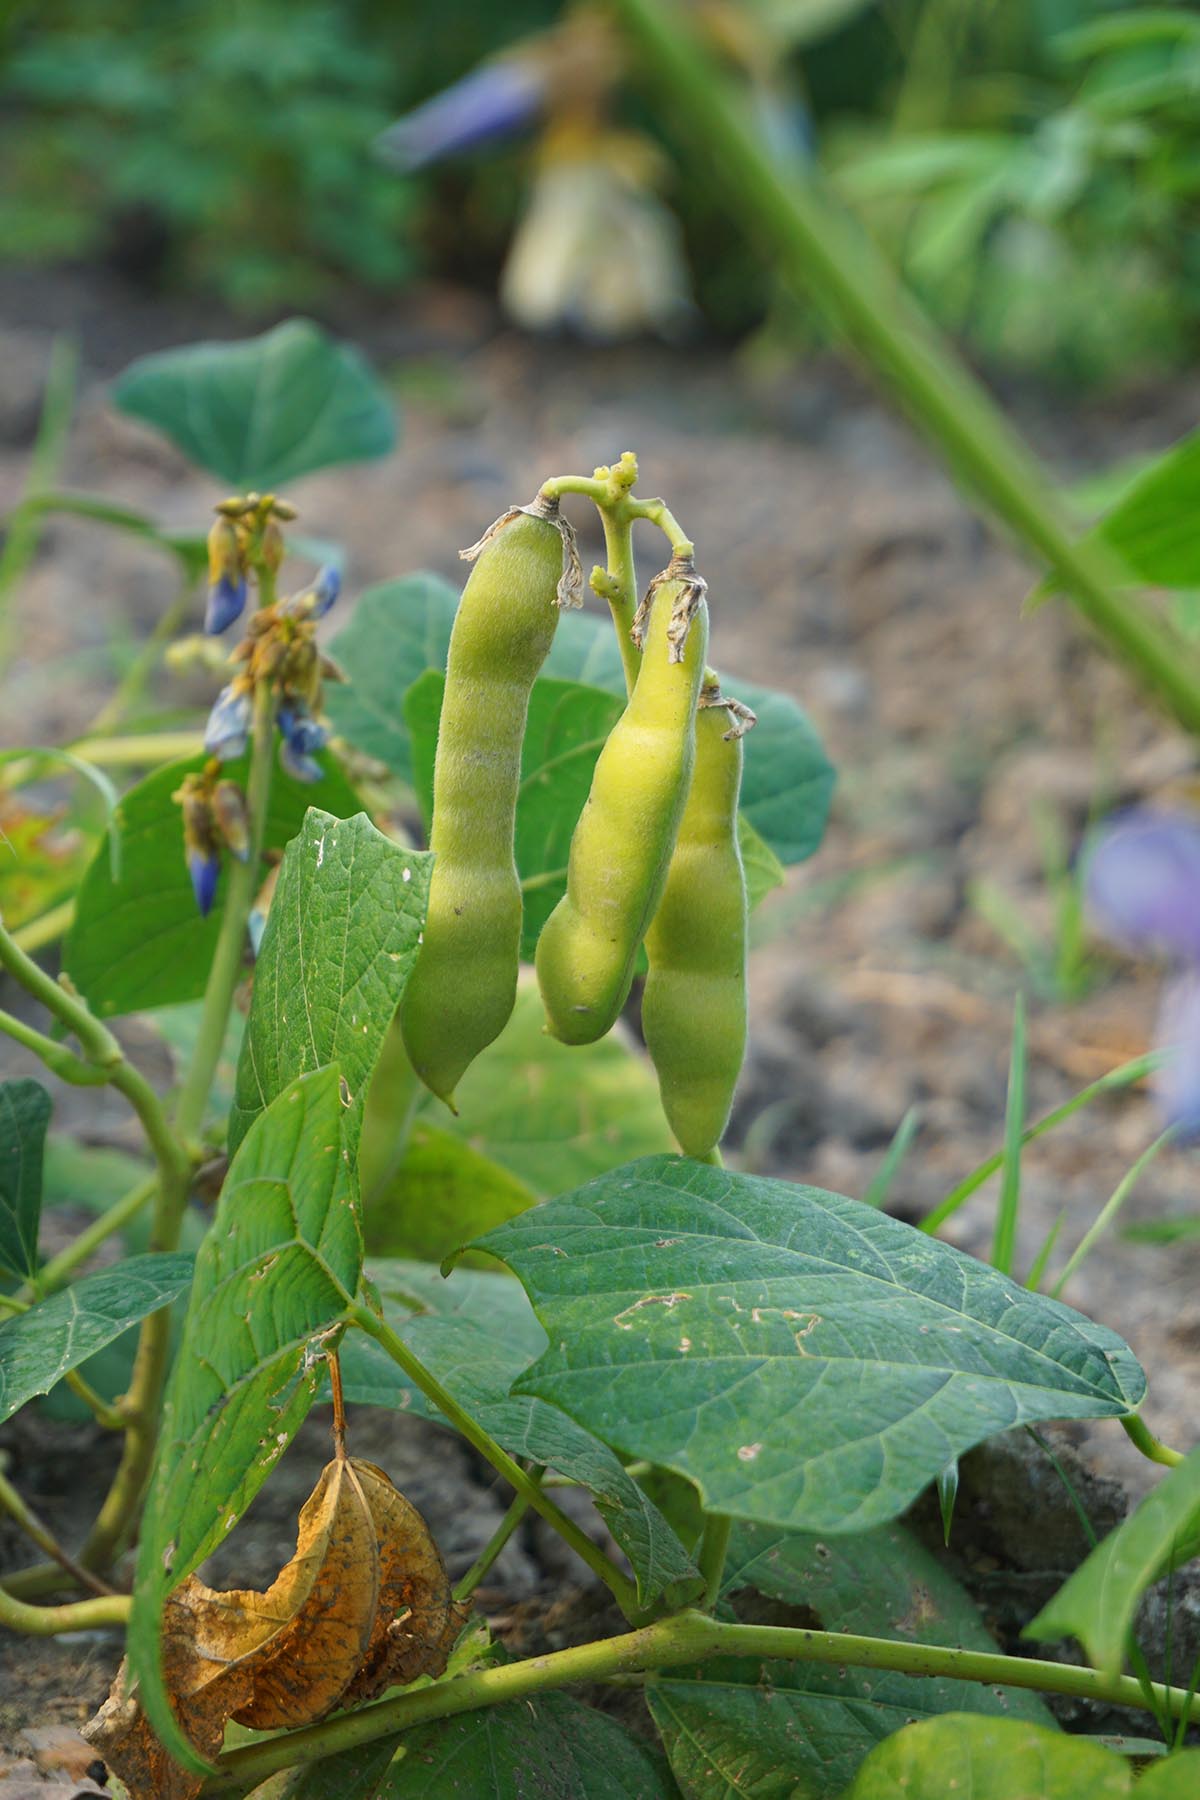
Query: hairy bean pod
{"x":623,"y":841}
{"x":694,"y":1003}
{"x":462,"y":991}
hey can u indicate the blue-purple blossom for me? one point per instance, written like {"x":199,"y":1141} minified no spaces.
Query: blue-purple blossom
{"x":295,"y":763}
{"x":315,"y":601}
{"x":302,"y":735}
{"x":1143,"y":886}
{"x":228,"y":730}
{"x":226,"y":602}
{"x":204,"y":867}
{"x":491,"y":102}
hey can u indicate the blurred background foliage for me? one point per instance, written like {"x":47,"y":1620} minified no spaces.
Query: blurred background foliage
{"x":1032,"y":165}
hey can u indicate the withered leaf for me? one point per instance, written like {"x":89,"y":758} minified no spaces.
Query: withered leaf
{"x":417,"y":1622}
{"x":284,"y":1657}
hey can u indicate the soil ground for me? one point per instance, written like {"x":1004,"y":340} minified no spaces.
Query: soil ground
{"x":842,"y":566}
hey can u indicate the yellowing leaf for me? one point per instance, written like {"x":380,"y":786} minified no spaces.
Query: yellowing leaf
{"x":417,"y":1622}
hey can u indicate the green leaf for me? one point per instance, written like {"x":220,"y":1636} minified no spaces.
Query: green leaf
{"x":39,"y":1347}
{"x":992,"y":1759}
{"x":262,"y":412}
{"x":1098,"y":1603}
{"x":444,"y":1193}
{"x":818,"y":1723}
{"x":139,"y":942}
{"x":90,"y":1176}
{"x":476,"y":1334}
{"x":547,"y":1745}
{"x":1150,"y":526}
{"x":1171,"y":1778}
{"x":805,"y":1360}
{"x":24,"y":1115}
{"x":397,"y":631}
{"x":554,"y":1114}
{"x":402,"y":628}
{"x":341,"y":939}
{"x":276,"y":1274}
{"x":764,"y":871}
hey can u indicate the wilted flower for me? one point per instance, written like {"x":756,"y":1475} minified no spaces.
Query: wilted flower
{"x":315,"y":601}
{"x":232,"y":817}
{"x":226,"y":576}
{"x":201,"y":845}
{"x":228,"y":730}
{"x":491,"y":102}
{"x":1143,"y":885}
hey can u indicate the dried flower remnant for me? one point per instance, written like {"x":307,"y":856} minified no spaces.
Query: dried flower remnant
{"x":1143,"y":887}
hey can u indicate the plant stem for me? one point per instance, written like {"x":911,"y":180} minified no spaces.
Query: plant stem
{"x":817,"y":245}
{"x":60,"y":1060}
{"x":54,"y":1274}
{"x":621,"y":589}
{"x":711,"y":1560}
{"x":226,"y":969}
{"x":43,"y":1537}
{"x":105,"y":1611}
{"x":622,"y":1589}
{"x":46,"y":929}
{"x":147,"y":749}
{"x":491,"y":1550}
{"x":687,"y":1637}
{"x":1139,"y":1434}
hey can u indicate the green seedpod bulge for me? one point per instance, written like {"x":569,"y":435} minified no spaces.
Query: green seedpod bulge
{"x":462,"y":991}
{"x":694,"y":1002}
{"x":623,"y":841}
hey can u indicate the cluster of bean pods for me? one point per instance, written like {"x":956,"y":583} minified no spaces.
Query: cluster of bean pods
{"x":654,"y":859}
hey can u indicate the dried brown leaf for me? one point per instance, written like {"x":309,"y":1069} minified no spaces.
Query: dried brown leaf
{"x":417,"y":1622}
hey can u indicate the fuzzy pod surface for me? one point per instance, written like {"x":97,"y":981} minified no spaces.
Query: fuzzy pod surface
{"x":694,"y":1001}
{"x":462,"y":991}
{"x":622,"y":844}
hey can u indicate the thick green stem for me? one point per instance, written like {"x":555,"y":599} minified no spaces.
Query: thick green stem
{"x":687,"y":1637}
{"x":713,"y":1545}
{"x":621,"y":588}
{"x":622,"y":1589}
{"x":818,"y":247}
{"x":60,"y":1060}
{"x":46,"y":929}
{"x":105,"y":1611}
{"x":1140,"y":1434}
{"x":226,"y":970}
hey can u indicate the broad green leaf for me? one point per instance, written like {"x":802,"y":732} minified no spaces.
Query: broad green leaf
{"x":90,"y":1176}
{"x":477,"y":1333}
{"x":262,"y":412}
{"x":402,"y":628}
{"x":764,"y":870}
{"x":39,"y":1347}
{"x":275,"y":1276}
{"x":140,"y":942}
{"x":554,"y":1114}
{"x":1150,"y":525}
{"x":24,"y":1115}
{"x":805,"y":1360}
{"x":992,"y":1759}
{"x":341,"y":940}
{"x":1098,"y":1603}
{"x":819,"y":1722}
{"x":397,"y":631}
{"x":1171,"y":1778}
{"x":444,"y":1193}
{"x":547,"y":1745}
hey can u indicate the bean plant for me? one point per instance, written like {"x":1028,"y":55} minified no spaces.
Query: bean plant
{"x":458,"y":1190}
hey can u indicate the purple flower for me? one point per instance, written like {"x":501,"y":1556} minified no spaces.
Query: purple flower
{"x":1143,"y":886}
{"x":302,"y":736}
{"x":226,"y":602}
{"x":228,"y":730}
{"x":204,"y":867}
{"x":491,"y":102}
{"x":314,"y":602}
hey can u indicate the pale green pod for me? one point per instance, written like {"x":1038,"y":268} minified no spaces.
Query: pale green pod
{"x":461,"y":993}
{"x":623,"y":841}
{"x":694,"y":1002}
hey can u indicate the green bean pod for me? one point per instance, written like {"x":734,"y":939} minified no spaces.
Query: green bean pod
{"x":462,"y":991}
{"x":694,"y":1002}
{"x":623,"y":840}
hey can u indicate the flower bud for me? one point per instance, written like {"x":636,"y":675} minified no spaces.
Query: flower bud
{"x":204,"y":867}
{"x":228,"y":729}
{"x":227,"y":577}
{"x":232,"y":817}
{"x":271,"y":546}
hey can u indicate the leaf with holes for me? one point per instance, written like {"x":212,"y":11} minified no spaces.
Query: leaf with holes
{"x":819,"y":1721}
{"x":39,"y":1347}
{"x":263,"y":412}
{"x":24,"y":1116}
{"x":275,"y":1277}
{"x":140,"y":942}
{"x":1098,"y":1603}
{"x":341,"y":940}
{"x":476,"y":1333}
{"x":805,"y":1360}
